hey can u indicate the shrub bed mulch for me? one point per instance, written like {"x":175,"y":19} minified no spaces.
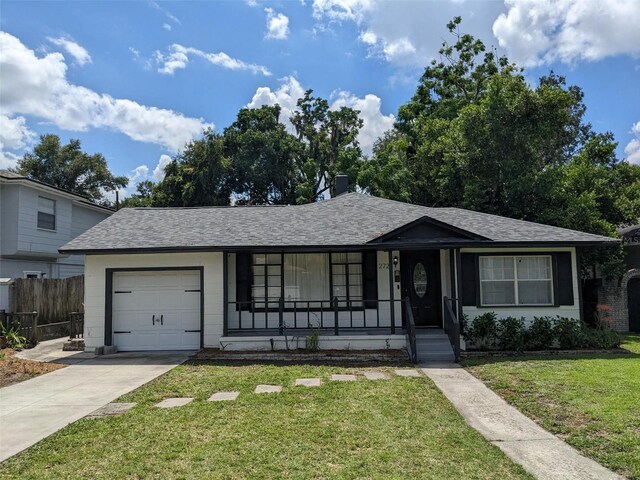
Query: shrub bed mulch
{"x":14,"y":370}
{"x":391,"y":357}
{"x":527,"y":353}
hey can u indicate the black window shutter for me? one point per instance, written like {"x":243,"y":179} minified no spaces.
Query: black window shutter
{"x":564,"y":278}
{"x":469,"y":281}
{"x":243,"y":279}
{"x":370,"y":279}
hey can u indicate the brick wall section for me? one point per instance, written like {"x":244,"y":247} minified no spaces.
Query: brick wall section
{"x":614,"y":294}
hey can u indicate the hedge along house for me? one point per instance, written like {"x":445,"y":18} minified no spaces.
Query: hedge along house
{"x":359,"y":271}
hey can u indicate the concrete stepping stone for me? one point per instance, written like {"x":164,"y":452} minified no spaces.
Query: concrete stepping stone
{"x":268,"y":389}
{"x":343,"y":378}
{"x":376,"y":375}
{"x":112,"y":410}
{"x":408,"y":372}
{"x":308,"y":382}
{"x":174,"y":402}
{"x":224,"y":396}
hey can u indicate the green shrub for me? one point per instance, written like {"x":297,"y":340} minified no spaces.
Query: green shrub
{"x":570,"y":333}
{"x":14,"y":339}
{"x":541,"y":334}
{"x":511,"y":334}
{"x":601,"y":337}
{"x":482,"y":332}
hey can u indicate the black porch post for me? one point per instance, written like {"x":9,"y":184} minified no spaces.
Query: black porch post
{"x":459,"y":284}
{"x":392,"y":304}
{"x":225,"y":293}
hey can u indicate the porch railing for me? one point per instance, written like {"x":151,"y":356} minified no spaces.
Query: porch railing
{"x":336,"y":315}
{"x":452,"y":327}
{"x":411,"y":331}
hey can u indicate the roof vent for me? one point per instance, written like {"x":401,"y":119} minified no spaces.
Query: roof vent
{"x":342,"y":184}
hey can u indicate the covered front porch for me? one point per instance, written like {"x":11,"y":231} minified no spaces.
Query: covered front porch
{"x":347,"y":299}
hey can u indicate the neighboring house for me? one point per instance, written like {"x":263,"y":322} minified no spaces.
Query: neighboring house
{"x":36,"y":219}
{"x":623,"y":294}
{"x":245,"y":277}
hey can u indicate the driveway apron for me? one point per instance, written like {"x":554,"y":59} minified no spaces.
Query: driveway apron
{"x":36,"y":408}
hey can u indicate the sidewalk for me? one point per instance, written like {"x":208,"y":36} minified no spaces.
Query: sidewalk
{"x":539,"y":452}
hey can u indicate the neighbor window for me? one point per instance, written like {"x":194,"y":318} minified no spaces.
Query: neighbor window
{"x":513,"y":280}
{"x":46,"y":213}
{"x":307,"y":279}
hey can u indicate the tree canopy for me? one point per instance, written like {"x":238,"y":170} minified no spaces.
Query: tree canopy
{"x":257,"y":161}
{"x":69,"y":168}
{"x":477,"y":135}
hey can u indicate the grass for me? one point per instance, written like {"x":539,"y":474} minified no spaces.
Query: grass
{"x":592,"y":401}
{"x":397,"y":428}
{"x":14,"y":370}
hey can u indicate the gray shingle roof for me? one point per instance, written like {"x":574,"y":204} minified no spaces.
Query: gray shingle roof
{"x":347,"y":220}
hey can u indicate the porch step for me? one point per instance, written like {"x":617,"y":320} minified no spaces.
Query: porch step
{"x":433,"y":346}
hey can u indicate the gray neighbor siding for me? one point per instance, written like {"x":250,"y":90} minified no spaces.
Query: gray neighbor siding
{"x":26,"y":248}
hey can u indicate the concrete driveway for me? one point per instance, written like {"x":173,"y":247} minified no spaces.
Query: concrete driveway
{"x":36,"y":408}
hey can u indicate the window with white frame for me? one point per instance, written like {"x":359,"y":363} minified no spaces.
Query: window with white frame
{"x":46,"y":213}
{"x":516,"y":280}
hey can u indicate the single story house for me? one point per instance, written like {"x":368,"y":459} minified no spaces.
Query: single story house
{"x":356,"y":270}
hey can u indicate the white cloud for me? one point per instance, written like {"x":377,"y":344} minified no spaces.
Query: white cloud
{"x":342,"y":10}
{"x":286,"y":95}
{"x":178,"y":58}
{"x":536,"y":33}
{"x":166,"y":26}
{"x":78,"y":52}
{"x":406,"y":33}
{"x":375,"y":123}
{"x":632,"y":150}
{"x":277,"y":25}
{"x":166,"y":12}
{"x":14,"y":135}
{"x":39,"y":87}
{"x":158,"y":172}
{"x":135,"y":52}
{"x":290,"y":90}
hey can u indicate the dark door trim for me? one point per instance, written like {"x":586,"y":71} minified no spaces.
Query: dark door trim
{"x":108,"y":304}
{"x":431,"y":261}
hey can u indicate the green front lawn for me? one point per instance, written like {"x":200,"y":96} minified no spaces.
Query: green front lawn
{"x":591,"y":401}
{"x":398,"y":428}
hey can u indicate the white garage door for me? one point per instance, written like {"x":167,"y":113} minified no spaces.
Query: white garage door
{"x":157,"y":310}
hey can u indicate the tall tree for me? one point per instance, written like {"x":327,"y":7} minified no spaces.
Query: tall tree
{"x":263,"y":154}
{"x":143,"y":196}
{"x":69,"y":168}
{"x":200,"y":176}
{"x":330,"y":146}
{"x":478,"y":136}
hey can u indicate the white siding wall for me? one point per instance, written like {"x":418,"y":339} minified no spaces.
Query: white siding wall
{"x":95,"y":271}
{"x":571,"y":311}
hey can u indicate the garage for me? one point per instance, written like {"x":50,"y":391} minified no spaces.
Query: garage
{"x":156,"y":310}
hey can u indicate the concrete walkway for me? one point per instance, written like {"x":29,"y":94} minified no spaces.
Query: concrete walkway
{"x":541,"y":453}
{"x":51,"y":351}
{"x":36,"y":408}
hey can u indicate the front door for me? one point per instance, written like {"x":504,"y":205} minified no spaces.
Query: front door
{"x":421,"y":283}
{"x":633,"y":292}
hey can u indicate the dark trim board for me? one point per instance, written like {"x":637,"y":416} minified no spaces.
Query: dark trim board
{"x":342,"y":248}
{"x":108,"y":305}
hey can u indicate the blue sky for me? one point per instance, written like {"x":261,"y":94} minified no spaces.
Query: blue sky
{"x":136,"y":80}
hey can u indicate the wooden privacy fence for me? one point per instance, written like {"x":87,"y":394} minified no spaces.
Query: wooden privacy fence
{"x":53,"y":298}
{"x":29,"y":326}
